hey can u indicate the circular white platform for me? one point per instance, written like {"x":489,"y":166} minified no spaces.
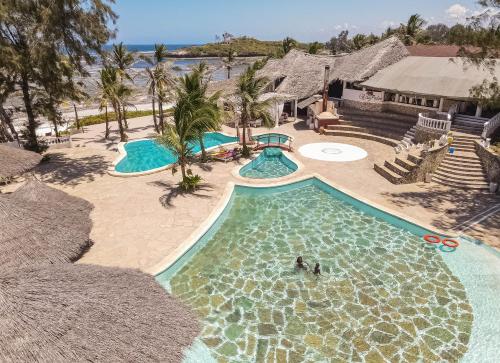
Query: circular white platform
{"x":330,"y":151}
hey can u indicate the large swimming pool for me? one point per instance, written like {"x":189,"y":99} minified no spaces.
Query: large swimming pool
{"x":384,"y":294}
{"x":145,"y":155}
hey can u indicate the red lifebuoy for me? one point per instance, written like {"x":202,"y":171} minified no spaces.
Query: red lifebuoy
{"x":432,"y":239}
{"x":454,"y":244}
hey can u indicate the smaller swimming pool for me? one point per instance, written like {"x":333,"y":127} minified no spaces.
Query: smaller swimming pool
{"x":272,"y":138}
{"x":271,"y":163}
{"x":145,"y":155}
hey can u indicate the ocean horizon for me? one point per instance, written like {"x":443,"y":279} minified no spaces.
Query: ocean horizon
{"x":145,"y":48}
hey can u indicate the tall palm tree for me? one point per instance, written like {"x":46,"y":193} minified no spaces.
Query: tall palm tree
{"x":249,"y":92}
{"x":122,"y":59}
{"x":104,"y":97}
{"x":164,"y":84}
{"x":196,"y":84}
{"x":152,"y":91}
{"x":412,"y":29}
{"x":228,"y":61}
{"x":189,"y":118}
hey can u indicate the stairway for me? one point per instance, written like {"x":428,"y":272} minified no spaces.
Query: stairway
{"x":468,"y":124}
{"x":464,"y":168}
{"x":397,"y":171}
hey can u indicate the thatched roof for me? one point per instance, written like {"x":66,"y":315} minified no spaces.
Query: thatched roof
{"x":41,"y":225}
{"x":431,"y":76}
{"x":86,"y":313}
{"x":15,"y":161}
{"x":303,"y":73}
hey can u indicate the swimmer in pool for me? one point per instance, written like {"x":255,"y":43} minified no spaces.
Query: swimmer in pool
{"x":317,"y":269}
{"x":300,"y":264}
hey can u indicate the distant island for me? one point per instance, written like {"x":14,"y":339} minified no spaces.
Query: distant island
{"x":242,"y":47}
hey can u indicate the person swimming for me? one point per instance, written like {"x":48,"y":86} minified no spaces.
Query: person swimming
{"x":317,"y":269}
{"x":300,"y":263}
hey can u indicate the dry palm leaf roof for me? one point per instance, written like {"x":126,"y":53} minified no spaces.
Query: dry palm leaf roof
{"x":42,"y":225}
{"x":15,"y":161}
{"x":87,"y":313}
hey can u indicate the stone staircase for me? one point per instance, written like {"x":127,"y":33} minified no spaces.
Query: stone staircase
{"x":400,"y":168}
{"x":468,"y":124}
{"x":464,"y":168}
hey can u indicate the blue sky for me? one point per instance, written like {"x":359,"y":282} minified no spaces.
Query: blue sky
{"x":198,"y":21}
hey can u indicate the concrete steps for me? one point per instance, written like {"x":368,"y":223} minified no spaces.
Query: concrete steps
{"x":362,"y":135}
{"x":468,"y":124}
{"x":463,"y":169}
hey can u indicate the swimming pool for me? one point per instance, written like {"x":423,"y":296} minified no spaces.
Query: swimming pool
{"x":145,"y":155}
{"x":271,"y":163}
{"x":383,"y":295}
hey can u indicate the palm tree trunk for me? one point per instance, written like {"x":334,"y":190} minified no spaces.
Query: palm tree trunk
{"x":106,"y":133}
{"x":5,"y":117}
{"x":154,"y":112}
{"x":56,"y":129}
{"x":246,"y":151}
{"x":182,"y":163}
{"x":160,"y":111}
{"x":203,"y":151}
{"x":228,"y":72}
{"x":5,"y":135}
{"x":124,"y":116}
{"x":123,"y":135}
{"x":32,"y":124}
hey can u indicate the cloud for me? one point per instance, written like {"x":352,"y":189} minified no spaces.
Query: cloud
{"x":345,"y":26}
{"x":457,"y":12}
{"x":388,"y":23}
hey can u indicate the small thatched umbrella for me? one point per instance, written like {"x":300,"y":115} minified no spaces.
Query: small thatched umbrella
{"x":41,"y":225}
{"x":15,"y":161}
{"x":86,"y":313}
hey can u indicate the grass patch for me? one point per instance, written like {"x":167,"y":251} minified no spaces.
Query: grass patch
{"x":101,"y":118}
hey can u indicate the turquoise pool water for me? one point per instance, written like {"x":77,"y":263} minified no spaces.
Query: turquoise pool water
{"x":272,"y":138}
{"x":271,"y":163}
{"x":384,"y":295}
{"x":147,"y":155}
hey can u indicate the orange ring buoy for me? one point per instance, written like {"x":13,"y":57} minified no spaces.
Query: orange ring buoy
{"x":447,"y":241}
{"x":432,"y":239}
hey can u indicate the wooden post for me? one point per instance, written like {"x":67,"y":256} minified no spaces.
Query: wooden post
{"x":325,"y":88}
{"x":77,"y":121}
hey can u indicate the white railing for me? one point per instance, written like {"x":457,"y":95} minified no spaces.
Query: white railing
{"x":491,"y":126}
{"x":432,"y":123}
{"x":453,"y":111}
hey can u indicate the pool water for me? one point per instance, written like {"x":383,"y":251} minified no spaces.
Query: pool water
{"x":144,"y":155}
{"x":271,"y":163}
{"x":383,"y":293}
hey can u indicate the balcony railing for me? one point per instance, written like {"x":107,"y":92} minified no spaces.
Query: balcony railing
{"x":432,"y":123}
{"x":491,"y":126}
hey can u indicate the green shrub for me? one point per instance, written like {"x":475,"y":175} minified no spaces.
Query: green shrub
{"x":190,"y":182}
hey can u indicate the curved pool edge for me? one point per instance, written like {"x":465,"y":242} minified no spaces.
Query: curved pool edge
{"x":123,"y":153}
{"x":185,"y":246}
{"x":251,"y":181}
{"x":476,"y":294}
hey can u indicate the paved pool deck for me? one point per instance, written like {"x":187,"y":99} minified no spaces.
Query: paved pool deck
{"x":139,"y":221}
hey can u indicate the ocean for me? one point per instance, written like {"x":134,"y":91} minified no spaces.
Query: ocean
{"x":147,"y":48}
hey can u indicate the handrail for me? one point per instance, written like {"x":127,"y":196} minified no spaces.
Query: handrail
{"x":491,"y":126}
{"x":432,"y":123}
{"x":453,"y":111}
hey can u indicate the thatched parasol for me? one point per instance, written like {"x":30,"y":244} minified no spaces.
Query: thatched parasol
{"x":67,"y":313}
{"x":41,"y":225}
{"x":15,"y":161}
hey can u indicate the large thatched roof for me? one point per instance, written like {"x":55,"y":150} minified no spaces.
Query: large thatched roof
{"x":86,"y":313}
{"x":15,"y":161}
{"x":41,"y":225}
{"x":432,"y":76}
{"x":303,"y":73}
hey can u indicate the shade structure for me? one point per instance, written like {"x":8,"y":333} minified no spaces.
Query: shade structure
{"x":15,"y":161}
{"x":42,"y":225}
{"x":77,"y":313}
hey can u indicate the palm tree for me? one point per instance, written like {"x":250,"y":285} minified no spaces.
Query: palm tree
{"x":122,"y":59}
{"x":189,"y":118}
{"x":288,"y":44}
{"x":196,"y":84}
{"x":412,"y":29}
{"x":249,"y":91}
{"x":164,"y":83}
{"x":152,"y":91}
{"x":103,"y":97}
{"x":229,"y":61}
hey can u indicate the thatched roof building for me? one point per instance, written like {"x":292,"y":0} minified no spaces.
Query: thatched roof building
{"x":302,"y":74}
{"x":41,"y":225}
{"x":432,"y":76}
{"x":15,"y":161}
{"x":86,"y":313}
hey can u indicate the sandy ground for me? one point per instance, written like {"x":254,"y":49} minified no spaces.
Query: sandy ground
{"x":139,"y":221}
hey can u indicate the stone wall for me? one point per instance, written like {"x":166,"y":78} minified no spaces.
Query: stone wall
{"x":412,"y":110}
{"x":491,"y":162}
{"x":429,"y":164}
{"x":363,"y":106}
{"x":423,"y":134}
